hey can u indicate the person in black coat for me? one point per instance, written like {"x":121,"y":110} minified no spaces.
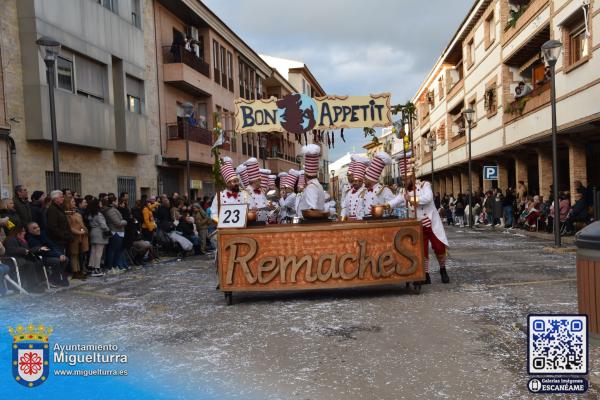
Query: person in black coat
{"x":578,"y":213}
{"x":51,"y":254}
{"x":30,"y":266}
{"x":37,"y":209}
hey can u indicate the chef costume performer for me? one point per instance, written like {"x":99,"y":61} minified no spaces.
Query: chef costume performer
{"x":313,"y":197}
{"x":243,"y":174}
{"x":300,"y":189}
{"x":287,"y":202}
{"x":329,"y":204}
{"x":433,"y":229}
{"x":347,"y":187}
{"x":354,"y":203}
{"x":272,"y":180}
{"x":232,"y":193}
{"x":376,"y":192}
{"x":257,"y":197}
{"x":264,"y":179}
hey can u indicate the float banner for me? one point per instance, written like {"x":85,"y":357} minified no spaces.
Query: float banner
{"x":298,"y":113}
{"x":316,"y":256}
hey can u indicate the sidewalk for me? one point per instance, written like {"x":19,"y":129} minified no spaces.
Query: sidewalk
{"x":565,"y":240}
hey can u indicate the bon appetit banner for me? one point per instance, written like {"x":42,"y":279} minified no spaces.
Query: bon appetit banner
{"x":299,"y":113}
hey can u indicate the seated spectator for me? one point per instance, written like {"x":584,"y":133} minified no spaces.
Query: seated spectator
{"x":578,"y":213}
{"x":187,"y":229}
{"x":7,"y":210}
{"x":37,"y":209}
{"x":51,"y":254}
{"x":30,"y":266}
{"x":149,"y":225}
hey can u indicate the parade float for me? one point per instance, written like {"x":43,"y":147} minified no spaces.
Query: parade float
{"x":315,"y":252}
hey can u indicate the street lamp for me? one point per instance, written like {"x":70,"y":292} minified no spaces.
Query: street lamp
{"x":431,"y":145}
{"x":188,"y":109}
{"x":551,"y":50}
{"x":469,"y":113}
{"x":263,"y":147}
{"x":49,"y":49}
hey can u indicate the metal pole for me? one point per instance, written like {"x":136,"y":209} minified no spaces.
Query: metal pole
{"x":187,"y":160}
{"x":554,"y":157}
{"x":470,"y":184}
{"x":55,"y":167}
{"x":432,"y":187}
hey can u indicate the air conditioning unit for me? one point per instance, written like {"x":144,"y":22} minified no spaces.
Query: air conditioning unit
{"x":192,"y":32}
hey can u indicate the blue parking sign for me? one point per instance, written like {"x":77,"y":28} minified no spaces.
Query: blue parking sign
{"x":490,"y":172}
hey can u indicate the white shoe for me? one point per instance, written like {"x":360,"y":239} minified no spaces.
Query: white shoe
{"x":117,"y":271}
{"x":97,"y":272}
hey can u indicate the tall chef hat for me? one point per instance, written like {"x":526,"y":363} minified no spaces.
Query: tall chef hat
{"x":272,"y":179}
{"x":380,"y":160}
{"x":227,"y":170}
{"x":264,"y":177}
{"x":301,"y":179}
{"x":282,"y":179}
{"x":242,"y":171}
{"x":360,"y":166}
{"x":290,"y":179}
{"x":252,"y":169}
{"x":311,"y":154}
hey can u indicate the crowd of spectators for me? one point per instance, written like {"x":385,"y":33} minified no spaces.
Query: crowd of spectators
{"x":514,"y":209}
{"x":66,"y":236}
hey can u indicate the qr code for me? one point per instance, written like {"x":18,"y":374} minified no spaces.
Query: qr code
{"x":557,"y":344}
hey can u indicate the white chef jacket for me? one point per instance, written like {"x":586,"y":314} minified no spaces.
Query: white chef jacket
{"x":287,"y":206}
{"x":379,"y":195}
{"x":313,"y":196}
{"x":354,"y":204}
{"x":258,"y":201}
{"x":227,"y":197}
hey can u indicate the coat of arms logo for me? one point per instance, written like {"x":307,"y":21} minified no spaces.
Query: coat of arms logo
{"x":30,"y":354}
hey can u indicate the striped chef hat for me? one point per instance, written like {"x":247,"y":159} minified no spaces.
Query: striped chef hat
{"x":360,"y":166}
{"x":352,"y":164}
{"x":311,"y":154}
{"x":272,"y":179}
{"x":264,"y":177}
{"x":379,"y":161}
{"x":252,"y":169}
{"x":301,"y":180}
{"x":282,"y":178}
{"x":290,"y":179}
{"x":242,"y":171}
{"x":227,"y":170}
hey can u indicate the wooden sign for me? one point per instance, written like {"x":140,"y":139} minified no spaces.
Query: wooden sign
{"x":298,"y":113}
{"x":232,"y":216}
{"x":297,"y":257}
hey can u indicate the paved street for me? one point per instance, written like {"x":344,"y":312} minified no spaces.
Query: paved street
{"x":464,"y":340}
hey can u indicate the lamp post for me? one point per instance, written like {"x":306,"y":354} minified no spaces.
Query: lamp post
{"x":49,"y":49}
{"x":431,"y":145}
{"x":469,"y":113}
{"x":188,"y":109}
{"x":263,"y":146}
{"x":551,"y":51}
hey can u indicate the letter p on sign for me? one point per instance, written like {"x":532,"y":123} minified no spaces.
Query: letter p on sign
{"x":490,"y":172}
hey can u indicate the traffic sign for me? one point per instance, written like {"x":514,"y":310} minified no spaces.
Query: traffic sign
{"x":490,"y":172}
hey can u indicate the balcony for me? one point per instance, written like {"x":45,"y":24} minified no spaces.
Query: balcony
{"x":177,"y":131}
{"x":457,"y":140}
{"x":519,"y":19}
{"x":185,"y":71}
{"x":536,"y":99}
{"x":281,"y":163}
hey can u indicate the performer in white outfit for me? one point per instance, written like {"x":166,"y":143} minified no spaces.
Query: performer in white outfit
{"x":301,"y":185}
{"x":433,"y":229}
{"x":353,"y":206}
{"x":329,"y":204}
{"x":232,"y":193}
{"x":347,"y":187}
{"x":243,"y":174}
{"x":376,"y":192}
{"x":258,"y":200}
{"x":287,"y":202}
{"x":313,"y":197}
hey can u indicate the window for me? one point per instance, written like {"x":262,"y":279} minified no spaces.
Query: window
{"x":490,"y":30}
{"x":473,"y":105}
{"x":91,"y":78}
{"x":127,"y":184}
{"x":216,"y":61}
{"x":259,"y":87}
{"x":135,"y":13}
{"x":64,"y":70}
{"x":244,"y":150}
{"x":470,"y":53}
{"x":441,"y":87}
{"x":71,"y":180}
{"x":490,"y":100}
{"x":223,"y":67}
{"x":578,"y":44}
{"x":135,"y":94}
{"x":111,"y":5}
{"x":230,"y":70}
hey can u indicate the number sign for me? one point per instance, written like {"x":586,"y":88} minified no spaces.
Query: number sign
{"x":233,"y":216}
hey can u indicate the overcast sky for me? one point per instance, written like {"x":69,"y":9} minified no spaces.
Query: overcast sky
{"x":353,"y":47}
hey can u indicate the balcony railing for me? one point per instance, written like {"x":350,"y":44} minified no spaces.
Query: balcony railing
{"x":177,"y":130}
{"x":179,"y":54}
{"x":538,"y":97}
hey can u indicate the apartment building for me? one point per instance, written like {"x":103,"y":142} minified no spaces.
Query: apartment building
{"x":105,"y":110}
{"x":493,"y":64}
{"x":303,"y":81}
